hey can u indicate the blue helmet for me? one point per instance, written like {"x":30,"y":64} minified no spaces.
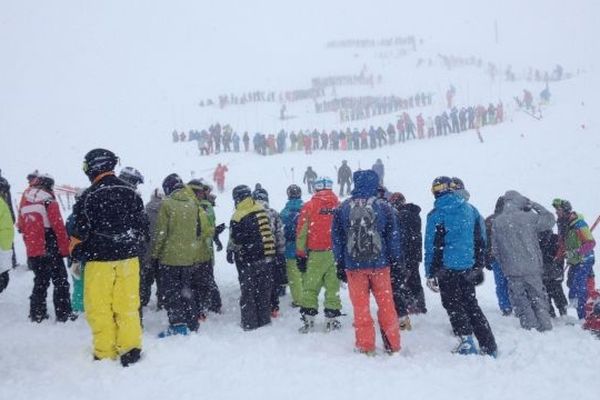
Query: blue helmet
{"x":322,"y":183}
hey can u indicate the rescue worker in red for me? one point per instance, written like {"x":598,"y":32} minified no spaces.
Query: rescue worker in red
{"x":46,"y":241}
{"x":219,"y":176}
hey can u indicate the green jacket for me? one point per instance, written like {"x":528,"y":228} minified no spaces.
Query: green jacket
{"x":181,"y":227}
{"x":7,"y":230}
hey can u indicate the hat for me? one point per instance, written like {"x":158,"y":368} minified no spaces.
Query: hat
{"x":294,"y":192}
{"x":240,"y":193}
{"x":323,"y":183}
{"x":98,"y":161}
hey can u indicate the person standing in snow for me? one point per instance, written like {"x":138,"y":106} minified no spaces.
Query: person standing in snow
{"x":5,"y":196}
{"x":492,"y":263}
{"x":314,"y":257}
{"x":46,"y":242}
{"x":131,"y":176}
{"x":109,"y":229}
{"x":409,"y":222}
{"x":219,"y":176}
{"x":253,"y":249}
{"x":554,"y":272}
{"x":366,"y":241}
{"x":379,"y":170}
{"x":577,"y":246}
{"x":149,"y":269}
{"x":261,"y":196}
{"x":344,"y":178}
{"x":454,"y":245}
{"x":515,"y":245}
{"x":289,"y":218}
{"x":7,"y":233}
{"x":309,"y":179}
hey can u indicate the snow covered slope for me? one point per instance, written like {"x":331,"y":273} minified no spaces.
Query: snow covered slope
{"x":123,"y":76}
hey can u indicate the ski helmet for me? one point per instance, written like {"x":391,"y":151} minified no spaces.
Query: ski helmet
{"x":563,"y":205}
{"x":294,"y":192}
{"x":171,"y":183}
{"x":98,"y":161}
{"x":441,"y":186}
{"x":323,"y":183}
{"x":240,"y":193}
{"x":457,"y":184}
{"x":260,"y":194}
{"x":132,"y":176}
{"x":32,"y":175}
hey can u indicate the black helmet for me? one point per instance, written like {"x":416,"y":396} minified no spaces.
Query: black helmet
{"x":260,"y":194}
{"x":240,"y":193}
{"x":4,"y":185}
{"x":440,"y":186}
{"x":44,"y":181}
{"x":98,"y":161}
{"x":457,"y":184}
{"x":32,"y":175}
{"x":132,"y":176}
{"x":171,"y":183}
{"x":294,"y":192}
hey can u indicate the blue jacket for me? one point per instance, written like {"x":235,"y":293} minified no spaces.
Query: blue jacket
{"x":454,"y":236}
{"x":289,"y":217}
{"x":365,"y":187}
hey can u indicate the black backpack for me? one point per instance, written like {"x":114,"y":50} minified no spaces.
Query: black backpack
{"x":364,"y":240}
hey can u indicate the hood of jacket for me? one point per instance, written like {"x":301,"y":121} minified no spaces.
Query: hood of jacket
{"x":365,"y":183}
{"x":449,"y":201}
{"x":514,"y":201}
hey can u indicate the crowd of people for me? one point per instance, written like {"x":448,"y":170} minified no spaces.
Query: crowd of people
{"x":117,"y":249}
{"x":219,"y":139}
{"x":385,"y":42}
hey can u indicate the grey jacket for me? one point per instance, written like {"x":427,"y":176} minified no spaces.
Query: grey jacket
{"x":515,"y":232}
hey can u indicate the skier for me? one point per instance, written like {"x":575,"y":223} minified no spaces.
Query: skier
{"x":246,"y":140}
{"x":110,"y":227}
{"x":577,"y":246}
{"x":5,"y":195}
{"x":7,"y":233}
{"x":454,"y":242}
{"x":492,"y":264}
{"x":309,"y":179}
{"x":344,"y":178}
{"x":289,"y":218}
{"x":366,"y":240}
{"x":315,"y":258}
{"x":420,"y":126}
{"x":252,"y":248}
{"x":379,"y":170}
{"x":412,"y":244}
{"x":236,"y":142}
{"x":553,"y":272}
{"x":180,"y":228}
{"x":219,"y":176}
{"x":208,"y":297}
{"x":46,"y":242}
{"x":150,"y":270}
{"x":516,"y":247}
{"x":261,"y":197}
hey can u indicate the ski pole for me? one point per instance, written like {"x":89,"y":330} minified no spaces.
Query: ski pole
{"x":595,"y":224}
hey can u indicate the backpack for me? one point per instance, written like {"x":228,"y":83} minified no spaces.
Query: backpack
{"x":364,"y":240}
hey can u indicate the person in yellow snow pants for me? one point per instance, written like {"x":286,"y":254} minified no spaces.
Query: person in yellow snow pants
{"x":112,"y":302}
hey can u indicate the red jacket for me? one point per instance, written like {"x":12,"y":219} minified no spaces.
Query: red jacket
{"x":313,"y":231}
{"x":592,"y":321}
{"x":38,"y":213}
{"x":219,"y":174}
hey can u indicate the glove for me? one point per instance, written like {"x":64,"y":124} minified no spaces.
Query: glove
{"x":230,"y":257}
{"x":218,"y":243}
{"x":340,"y":268}
{"x":432,"y":284}
{"x":219,"y":229}
{"x":301,"y":263}
{"x":572,"y":254}
{"x":76,"y":270}
{"x":474,"y":276}
{"x":596,"y":311}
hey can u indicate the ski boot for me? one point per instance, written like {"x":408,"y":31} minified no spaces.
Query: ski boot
{"x":404,"y":323}
{"x":309,"y":324}
{"x":368,"y":353}
{"x":332,"y":324}
{"x":466,"y":346}
{"x":131,"y":357}
{"x":174,"y":330}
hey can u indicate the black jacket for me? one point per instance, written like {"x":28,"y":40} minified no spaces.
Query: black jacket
{"x":410,"y":224}
{"x":553,"y":268}
{"x":110,"y":221}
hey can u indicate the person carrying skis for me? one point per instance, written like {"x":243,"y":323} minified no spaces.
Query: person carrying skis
{"x":289,"y":218}
{"x":47,"y":243}
{"x":252,"y":248}
{"x":577,"y":246}
{"x":219,"y":176}
{"x":314,"y":257}
{"x":454,"y":246}
{"x":109,"y":230}
{"x":366,"y":241}
{"x":344,"y":178}
{"x":516,"y":247}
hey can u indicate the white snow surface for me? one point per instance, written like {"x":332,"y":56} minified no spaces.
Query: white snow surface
{"x":123,"y":75}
